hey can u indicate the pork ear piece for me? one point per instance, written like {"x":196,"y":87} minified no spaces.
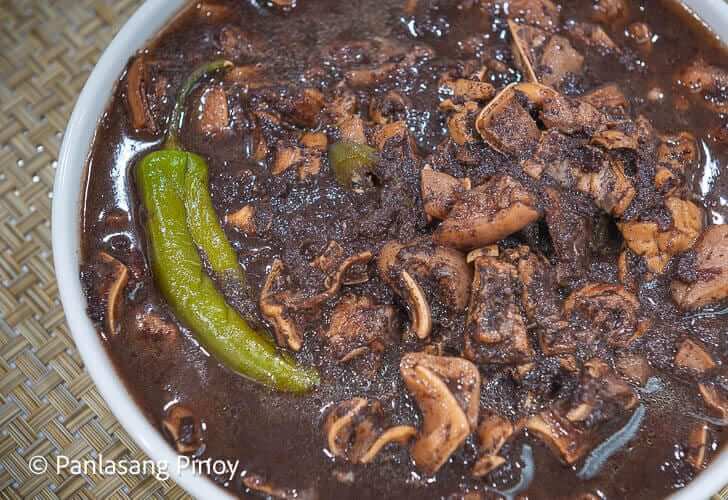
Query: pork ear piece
{"x":697,"y":446}
{"x":136,"y":95}
{"x":715,"y":397}
{"x":114,"y":276}
{"x":287,"y":332}
{"x":355,"y":430}
{"x":447,"y":391}
{"x":441,"y":269}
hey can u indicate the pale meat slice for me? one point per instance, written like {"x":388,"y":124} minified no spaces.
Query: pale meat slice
{"x":507,"y":126}
{"x":711,"y":265}
{"x":487,"y":214}
{"x":447,"y":391}
{"x":543,"y":56}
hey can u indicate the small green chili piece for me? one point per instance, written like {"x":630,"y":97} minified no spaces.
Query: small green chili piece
{"x":180,"y":220}
{"x":351,"y":159}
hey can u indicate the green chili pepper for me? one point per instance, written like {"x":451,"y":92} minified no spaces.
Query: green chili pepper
{"x":180,"y":220}
{"x":350,"y":160}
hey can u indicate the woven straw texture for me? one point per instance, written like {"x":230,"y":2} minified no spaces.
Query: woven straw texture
{"x":48,"y":404}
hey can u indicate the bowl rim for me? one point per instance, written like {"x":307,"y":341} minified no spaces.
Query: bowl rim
{"x":151,"y":17}
{"x":67,"y":206}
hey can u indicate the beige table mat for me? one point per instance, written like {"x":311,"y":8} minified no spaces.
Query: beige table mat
{"x":48,"y":404}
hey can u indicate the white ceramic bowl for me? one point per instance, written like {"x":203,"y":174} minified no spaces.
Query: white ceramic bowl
{"x":151,"y":17}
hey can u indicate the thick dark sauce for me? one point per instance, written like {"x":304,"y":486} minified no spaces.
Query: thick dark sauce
{"x":280,"y":436}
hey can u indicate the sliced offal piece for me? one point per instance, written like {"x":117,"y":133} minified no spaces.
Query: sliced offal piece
{"x":390,"y":107}
{"x":570,"y":232}
{"x":641,"y":36}
{"x":540,"y":288}
{"x":609,"y":187}
{"x":608,"y":99}
{"x":633,"y":367}
{"x":440,"y":191}
{"x":279,"y":305}
{"x":697,"y":445}
{"x":656,"y":246}
{"x":411,"y":269}
{"x":544,"y":57}
{"x":287,"y":331}
{"x":136,"y":94}
{"x":460,"y":123}
{"x":506,"y":126}
{"x":243,"y":220}
{"x":594,"y":36}
{"x":426,"y":261}
{"x":610,"y":11}
{"x":587,"y":169}
{"x":329,"y":263}
{"x":612,"y":139}
{"x":215,"y":115}
{"x":541,"y":13}
{"x":360,"y":327}
{"x":566,"y":440}
{"x":307,"y":160}
{"x":469,"y":90}
{"x":601,"y":384}
{"x":447,"y":391}
{"x":693,"y":357}
{"x":676,"y":155}
{"x":609,"y":310}
{"x":263,"y":487}
{"x":113,"y":276}
{"x":488,"y":213}
{"x":355,"y":430}
{"x":711,"y":266}
{"x":715,"y":396}
{"x":495,"y":330}
{"x":493,"y":432}
{"x":571,"y":116}
{"x":184,"y":429}
{"x":571,"y":427}
{"x":709,"y":83}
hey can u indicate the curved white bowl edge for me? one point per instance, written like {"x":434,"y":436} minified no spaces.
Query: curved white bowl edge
{"x":151,"y":17}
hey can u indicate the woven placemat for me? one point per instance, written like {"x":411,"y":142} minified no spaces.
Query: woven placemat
{"x":48,"y":404}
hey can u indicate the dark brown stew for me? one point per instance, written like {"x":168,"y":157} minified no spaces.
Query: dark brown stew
{"x":535,"y":195}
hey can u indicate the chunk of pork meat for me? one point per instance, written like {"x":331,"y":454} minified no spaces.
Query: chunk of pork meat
{"x":495,"y":330}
